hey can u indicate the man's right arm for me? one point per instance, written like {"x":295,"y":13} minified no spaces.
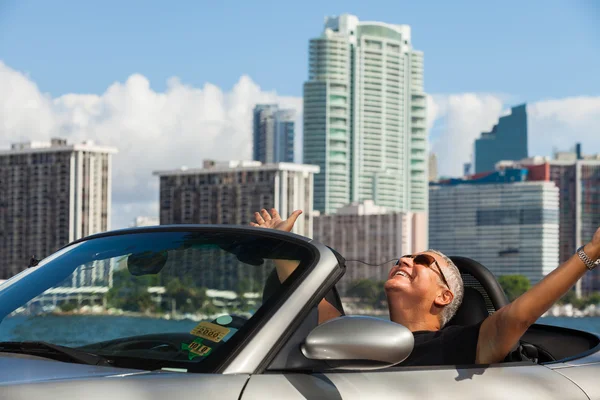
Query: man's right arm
{"x":285,"y":268}
{"x":273,"y":220}
{"x":503,"y":329}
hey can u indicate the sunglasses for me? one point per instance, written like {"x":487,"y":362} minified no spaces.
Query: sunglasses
{"x":427,"y":261}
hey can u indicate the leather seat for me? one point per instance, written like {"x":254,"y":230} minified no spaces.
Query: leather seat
{"x":474,"y":307}
{"x":472,"y":310}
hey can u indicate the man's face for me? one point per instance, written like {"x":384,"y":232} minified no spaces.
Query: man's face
{"x":418,"y":279}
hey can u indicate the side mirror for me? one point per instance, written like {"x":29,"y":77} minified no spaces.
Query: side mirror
{"x":359,"y":343}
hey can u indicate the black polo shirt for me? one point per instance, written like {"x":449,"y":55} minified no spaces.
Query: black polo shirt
{"x":452,"y":345}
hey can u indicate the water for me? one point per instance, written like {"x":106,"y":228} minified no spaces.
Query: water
{"x":77,"y":330}
{"x":588,"y":324}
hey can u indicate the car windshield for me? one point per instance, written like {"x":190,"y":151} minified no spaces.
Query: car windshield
{"x":178,"y":298}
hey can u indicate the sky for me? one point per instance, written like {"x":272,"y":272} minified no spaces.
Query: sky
{"x":172,"y":83}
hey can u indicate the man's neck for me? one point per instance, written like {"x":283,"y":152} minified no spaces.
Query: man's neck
{"x":415,"y":321}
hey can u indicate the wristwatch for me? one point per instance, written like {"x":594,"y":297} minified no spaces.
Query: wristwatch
{"x":589,"y":263}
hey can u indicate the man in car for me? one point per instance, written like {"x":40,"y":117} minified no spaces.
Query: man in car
{"x":424,"y":291}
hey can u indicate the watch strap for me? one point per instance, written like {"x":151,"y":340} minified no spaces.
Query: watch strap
{"x":589,"y":263}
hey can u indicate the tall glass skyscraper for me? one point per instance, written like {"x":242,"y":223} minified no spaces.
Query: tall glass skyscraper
{"x":506,"y":141}
{"x":364,"y":116}
{"x":273,"y":134}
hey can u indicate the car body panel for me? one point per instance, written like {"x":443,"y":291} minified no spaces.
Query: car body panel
{"x":495,"y":382}
{"x":292,"y":387}
{"x":586,"y":377}
{"x":159,"y":386}
{"x":593,"y":358}
{"x":524,"y":381}
{"x":16,"y":369}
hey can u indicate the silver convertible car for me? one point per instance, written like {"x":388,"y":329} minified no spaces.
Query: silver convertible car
{"x":200,"y":312}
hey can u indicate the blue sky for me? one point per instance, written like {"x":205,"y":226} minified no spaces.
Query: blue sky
{"x":527,"y":50}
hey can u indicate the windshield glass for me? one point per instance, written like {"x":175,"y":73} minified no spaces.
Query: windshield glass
{"x":179,"y":297}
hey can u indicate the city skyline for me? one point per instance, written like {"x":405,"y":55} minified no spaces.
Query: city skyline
{"x":160,"y":124}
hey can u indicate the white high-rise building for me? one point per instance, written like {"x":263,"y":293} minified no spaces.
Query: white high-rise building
{"x":364,"y":116}
{"x":51,"y":193}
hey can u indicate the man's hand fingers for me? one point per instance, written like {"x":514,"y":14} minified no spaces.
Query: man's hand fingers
{"x":275,"y":214}
{"x":254,"y":224}
{"x":259,"y":219}
{"x":294,"y":216}
{"x":265,"y":214}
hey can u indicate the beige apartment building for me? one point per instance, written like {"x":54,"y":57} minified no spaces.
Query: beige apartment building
{"x":230,"y":192}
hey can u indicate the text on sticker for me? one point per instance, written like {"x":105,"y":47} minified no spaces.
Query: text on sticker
{"x":209,"y":331}
{"x":198,"y":348}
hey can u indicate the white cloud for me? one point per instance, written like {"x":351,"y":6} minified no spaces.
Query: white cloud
{"x":464,"y":116}
{"x":553,"y":125}
{"x":558,"y":124}
{"x":151,"y":130}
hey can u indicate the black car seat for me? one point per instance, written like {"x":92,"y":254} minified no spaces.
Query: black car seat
{"x":483,"y":295}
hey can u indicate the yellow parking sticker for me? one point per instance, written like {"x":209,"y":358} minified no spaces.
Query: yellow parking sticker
{"x":206,"y":330}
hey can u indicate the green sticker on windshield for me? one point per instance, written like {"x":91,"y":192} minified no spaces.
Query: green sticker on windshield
{"x":196,"y":349}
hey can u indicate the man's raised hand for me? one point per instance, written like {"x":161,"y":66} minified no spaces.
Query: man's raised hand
{"x":273,"y":220}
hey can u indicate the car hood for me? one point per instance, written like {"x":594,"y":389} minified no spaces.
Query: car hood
{"x":16,"y":368}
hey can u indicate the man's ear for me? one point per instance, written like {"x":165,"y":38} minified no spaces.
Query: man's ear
{"x":444,"y":298}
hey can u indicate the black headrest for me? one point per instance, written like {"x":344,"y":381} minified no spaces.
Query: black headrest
{"x":484,"y":278}
{"x":472,"y":309}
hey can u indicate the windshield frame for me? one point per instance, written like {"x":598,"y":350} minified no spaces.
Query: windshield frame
{"x":224,"y":354}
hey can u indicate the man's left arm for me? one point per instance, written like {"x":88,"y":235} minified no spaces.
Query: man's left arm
{"x":500,"y":332}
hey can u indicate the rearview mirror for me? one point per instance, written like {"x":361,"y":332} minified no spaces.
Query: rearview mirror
{"x":359,"y":343}
{"x":147,"y":263}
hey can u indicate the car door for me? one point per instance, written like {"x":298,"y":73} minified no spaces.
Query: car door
{"x":523,"y":381}
{"x":158,"y":386}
